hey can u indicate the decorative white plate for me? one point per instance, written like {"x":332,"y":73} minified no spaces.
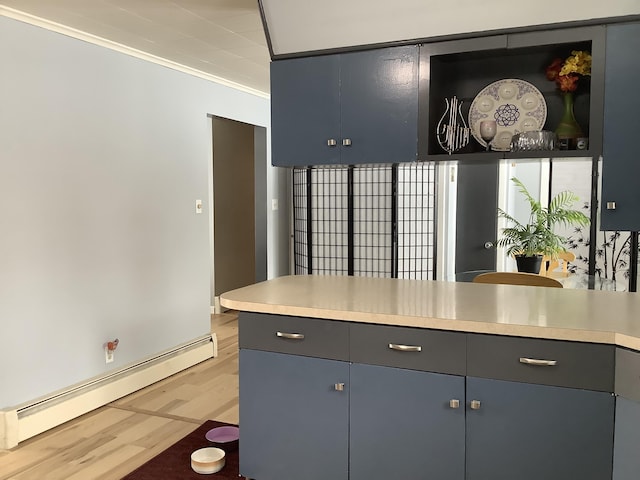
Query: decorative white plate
{"x":516,"y":106}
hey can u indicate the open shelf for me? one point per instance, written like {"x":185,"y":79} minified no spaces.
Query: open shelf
{"x":465,"y":74}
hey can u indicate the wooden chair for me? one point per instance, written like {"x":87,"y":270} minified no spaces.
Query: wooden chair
{"x":561,"y":261}
{"x":517,"y":278}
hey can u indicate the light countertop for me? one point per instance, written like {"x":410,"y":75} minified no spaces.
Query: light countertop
{"x":537,"y":312}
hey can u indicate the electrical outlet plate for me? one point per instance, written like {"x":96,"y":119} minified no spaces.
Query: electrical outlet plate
{"x":108,"y":355}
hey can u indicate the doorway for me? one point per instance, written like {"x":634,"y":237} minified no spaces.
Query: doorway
{"x":239,"y":205}
{"x":476,"y":219}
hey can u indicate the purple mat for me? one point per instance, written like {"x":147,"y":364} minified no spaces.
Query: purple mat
{"x":175,"y":461}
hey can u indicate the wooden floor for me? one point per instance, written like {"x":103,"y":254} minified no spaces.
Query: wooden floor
{"x":113,"y":440}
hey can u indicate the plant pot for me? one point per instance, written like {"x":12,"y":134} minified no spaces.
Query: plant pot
{"x":529,"y":264}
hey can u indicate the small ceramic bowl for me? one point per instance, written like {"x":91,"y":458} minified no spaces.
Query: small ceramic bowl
{"x":225,"y":437}
{"x":207,"y":460}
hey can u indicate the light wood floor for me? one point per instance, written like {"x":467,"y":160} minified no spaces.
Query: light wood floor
{"x":113,"y":440}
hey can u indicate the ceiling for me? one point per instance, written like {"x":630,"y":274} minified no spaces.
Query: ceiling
{"x":311,"y":25}
{"x":221,"y":38}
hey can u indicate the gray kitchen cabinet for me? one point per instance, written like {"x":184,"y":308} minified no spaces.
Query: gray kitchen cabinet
{"x":335,"y":399}
{"x":294,"y":401}
{"x":405,"y":424}
{"x":620,"y":166}
{"x":626,"y":461}
{"x":405,"y":382}
{"x":529,"y":432}
{"x":305,"y":111}
{"x":351,"y":108}
{"x":294,"y":420}
{"x":539,"y":408}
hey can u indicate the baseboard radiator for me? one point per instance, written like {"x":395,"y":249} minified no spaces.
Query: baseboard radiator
{"x":28,"y":420}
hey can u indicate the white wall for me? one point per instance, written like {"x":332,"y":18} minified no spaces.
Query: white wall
{"x":102,"y":157}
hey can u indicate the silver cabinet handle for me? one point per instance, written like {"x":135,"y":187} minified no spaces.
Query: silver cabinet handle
{"x":405,"y":348}
{"x":475,"y":404}
{"x":540,"y":363}
{"x":611,"y":205}
{"x":454,"y":403}
{"x":332,"y":142}
{"x":488,"y":245}
{"x":290,"y":336}
{"x":338,"y":387}
{"x":346,"y":142}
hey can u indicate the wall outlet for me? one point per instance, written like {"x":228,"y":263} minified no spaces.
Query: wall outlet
{"x":108,"y":355}
{"x":198,"y":206}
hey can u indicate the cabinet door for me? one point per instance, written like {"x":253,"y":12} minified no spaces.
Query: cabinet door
{"x":626,"y":461}
{"x":533,"y":432}
{"x":402,"y":425}
{"x":621,"y":168}
{"x":379,"y":105}
{"x":305,"y":111}
{"x":293,"y":422}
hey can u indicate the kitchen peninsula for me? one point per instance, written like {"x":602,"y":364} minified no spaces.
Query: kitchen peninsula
{"x":365,"y":378}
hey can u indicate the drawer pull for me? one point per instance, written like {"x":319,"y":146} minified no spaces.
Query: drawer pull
{"x":475,"y":404}
{"x":535,"y":361}
{"x":454,"y":403}
{"x":405,"y":348}
{"x":290,"y":336}
{"x":338,"y":387}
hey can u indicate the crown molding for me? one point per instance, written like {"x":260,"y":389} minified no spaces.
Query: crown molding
{"x":118,"y":47}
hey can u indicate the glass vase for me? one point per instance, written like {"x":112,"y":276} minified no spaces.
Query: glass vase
{"x":568,"y":129}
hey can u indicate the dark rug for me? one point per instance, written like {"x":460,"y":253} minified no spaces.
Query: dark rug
{"x":175,"y":461}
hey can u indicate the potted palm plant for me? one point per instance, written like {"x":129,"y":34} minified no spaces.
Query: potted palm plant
{"x":529,"y":242}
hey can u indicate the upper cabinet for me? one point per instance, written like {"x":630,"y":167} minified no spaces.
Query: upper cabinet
{"x":350,"y":108}
{"x":505,"y":75}
{"x":621,"y":166}
{"x":389,"y":105}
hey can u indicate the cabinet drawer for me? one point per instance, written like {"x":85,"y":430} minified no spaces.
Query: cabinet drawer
{"x":546,"y":362}
{"x":411,"y":348}
{"x":628,"y":374}
{"x":295,"y":335}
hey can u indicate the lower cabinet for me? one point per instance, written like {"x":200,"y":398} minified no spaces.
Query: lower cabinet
{"x":533,"y":432}
{"x":626,"y":457}
{"x":294,"y":422}
{"x":298,"y":421}
{"x":356,"y":417}
{"x":405,"y":424}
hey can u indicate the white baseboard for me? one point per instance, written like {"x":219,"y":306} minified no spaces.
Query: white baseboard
{"x":26,"y":421}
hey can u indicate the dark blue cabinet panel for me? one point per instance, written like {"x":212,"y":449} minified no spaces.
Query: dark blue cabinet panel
{"x":351,"y":108}
{"x":626,"y":458}
{"x":293,"y":422}
{"x":533,"y":432}
{"x":402,"y":425}
{"x":379,"y":105}
{"x":305,"y":111}
{"x":621,"y":166}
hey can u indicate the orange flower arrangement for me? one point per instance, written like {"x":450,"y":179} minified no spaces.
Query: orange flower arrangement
{"x":567,"y":73}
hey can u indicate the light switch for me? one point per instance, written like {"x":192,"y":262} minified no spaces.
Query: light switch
{"x":274,"y":204}
{"x":198,"y":206}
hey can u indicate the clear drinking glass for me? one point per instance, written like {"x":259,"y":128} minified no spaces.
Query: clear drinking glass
{"x":488,"y":129}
